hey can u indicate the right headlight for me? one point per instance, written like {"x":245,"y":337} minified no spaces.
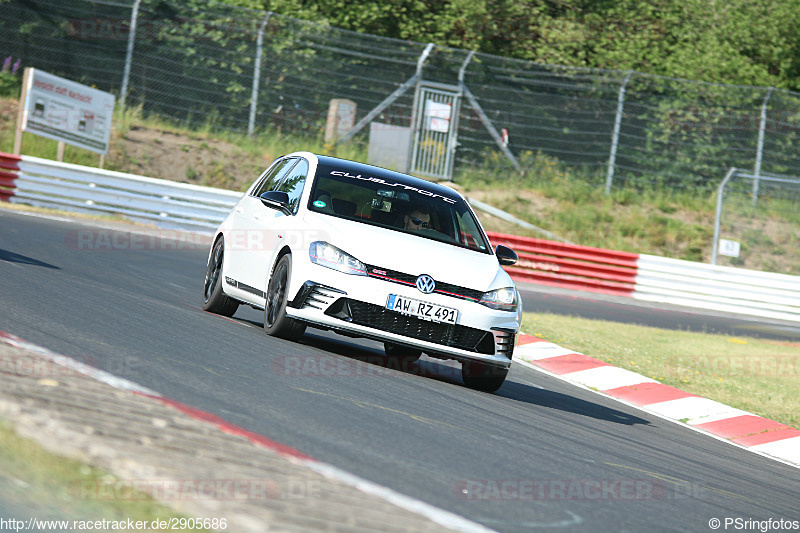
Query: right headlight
{"x":504,"y":299}
{"x":327,"y":255}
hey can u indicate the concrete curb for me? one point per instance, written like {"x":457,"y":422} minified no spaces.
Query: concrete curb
{"x":749,"y":431}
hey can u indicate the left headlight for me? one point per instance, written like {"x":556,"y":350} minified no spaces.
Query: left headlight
{"x":327,"y":255}
{"x":501,"y":299}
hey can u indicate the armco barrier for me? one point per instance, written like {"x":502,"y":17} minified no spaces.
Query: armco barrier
{"x":9,"y":165}
{"x":571,"y":266}
{"x":720,"y":288}
{"x":654,"y":279}
{"x":46,"y":183}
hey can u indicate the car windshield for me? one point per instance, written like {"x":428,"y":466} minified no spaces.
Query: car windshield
{"x":388,"y":201}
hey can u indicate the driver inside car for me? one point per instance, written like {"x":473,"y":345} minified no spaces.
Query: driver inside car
{"x":416,"y":219}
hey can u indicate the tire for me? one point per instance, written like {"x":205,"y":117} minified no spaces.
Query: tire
{"x":276,"y":323}
{"x":214,"y":300}
{"x":483,"y":377}
{"x":399,"y":356}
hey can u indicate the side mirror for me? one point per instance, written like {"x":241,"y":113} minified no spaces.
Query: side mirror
{"x":505,"y":255}
{"x":276,"y":200}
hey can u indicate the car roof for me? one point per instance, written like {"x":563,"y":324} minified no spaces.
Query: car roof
{"x":363,"y":168}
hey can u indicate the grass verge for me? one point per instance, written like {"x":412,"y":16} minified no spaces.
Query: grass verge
{"x":757,"y":375}
{"x":36,"y":483}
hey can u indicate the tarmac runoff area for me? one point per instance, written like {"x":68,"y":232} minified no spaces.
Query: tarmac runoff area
{"x":191,"y":461}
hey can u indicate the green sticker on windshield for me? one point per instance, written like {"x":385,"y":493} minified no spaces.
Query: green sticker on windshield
{"x":320,"y":204}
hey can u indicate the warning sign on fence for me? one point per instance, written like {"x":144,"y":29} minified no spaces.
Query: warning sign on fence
{"x":66,"y":111}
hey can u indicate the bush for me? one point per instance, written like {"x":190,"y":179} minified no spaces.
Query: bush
{"x":10,"y":85}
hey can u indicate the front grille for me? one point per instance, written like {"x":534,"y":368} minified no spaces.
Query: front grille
{"x":402,"y":278}
{"x":378,"y":317}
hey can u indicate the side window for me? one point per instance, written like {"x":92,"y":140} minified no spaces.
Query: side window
{"x":273,"y":176}
{"x":294,"y":182}
{"x":470,"y":235}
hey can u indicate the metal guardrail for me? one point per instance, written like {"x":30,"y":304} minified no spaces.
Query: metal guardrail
{"x":719,"y":288}
{"x":46,"y":183}
{"x":571,"y":266}
{"x":169,"y":204}
{"x":9,"y":165}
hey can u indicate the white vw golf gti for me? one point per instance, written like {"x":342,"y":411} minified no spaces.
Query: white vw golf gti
{"x":327,"y":243}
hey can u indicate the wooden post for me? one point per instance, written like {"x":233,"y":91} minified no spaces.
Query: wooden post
{"x":341,"y":117}
{"x":60,"y":152}
{"x":26,"y":82}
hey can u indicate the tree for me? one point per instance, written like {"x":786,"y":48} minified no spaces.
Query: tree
{"x":724,"y":41}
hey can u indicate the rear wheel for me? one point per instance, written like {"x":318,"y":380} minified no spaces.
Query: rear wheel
{"x":400,"y":356}
{"x":276,"y":323}
{"x":214,"y":300}
{"x":483,"y":377}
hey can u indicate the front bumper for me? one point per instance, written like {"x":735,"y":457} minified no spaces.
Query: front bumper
{"x":356,"y":305}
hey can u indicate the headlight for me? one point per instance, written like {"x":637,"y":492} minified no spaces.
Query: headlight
{"x":501,"y":299}
{"x":327,"y":255}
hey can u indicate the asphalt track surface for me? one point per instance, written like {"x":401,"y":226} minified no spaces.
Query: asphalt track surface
{"x":539,"y":454}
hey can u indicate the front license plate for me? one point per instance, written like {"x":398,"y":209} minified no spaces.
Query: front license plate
{"x":420,"y":309}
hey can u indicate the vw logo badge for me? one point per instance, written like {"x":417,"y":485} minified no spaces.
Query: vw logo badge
{"x":425,"y":284}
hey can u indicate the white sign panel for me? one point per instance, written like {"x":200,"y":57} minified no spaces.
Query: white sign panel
{"x":66,"y":111}
{"x":437,"y":116}
{"x":729,"y":248}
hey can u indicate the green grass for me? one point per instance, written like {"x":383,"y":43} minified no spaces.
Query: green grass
{"x":650,"y":220}
{"x":54,"y":488}
{"x":757,"y":375}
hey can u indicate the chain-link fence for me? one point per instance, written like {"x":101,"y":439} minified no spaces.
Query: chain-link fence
{"x":757,"y":222}
{"x":250,"y":71}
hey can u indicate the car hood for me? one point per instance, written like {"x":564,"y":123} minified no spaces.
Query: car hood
{"x":410,"y":254}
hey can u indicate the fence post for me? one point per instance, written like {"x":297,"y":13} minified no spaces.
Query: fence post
{"x":760,"y":150}
{"x":123,"y":93}
{"x":718,"y":215}
{"x":615,"y":137}
{"x":412,"y":141}
{"x":251,"y":123}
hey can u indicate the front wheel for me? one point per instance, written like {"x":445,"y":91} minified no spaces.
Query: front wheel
{"x":276,"y":323}
{"x":483,"y":377}
{"x":214,"y":300}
